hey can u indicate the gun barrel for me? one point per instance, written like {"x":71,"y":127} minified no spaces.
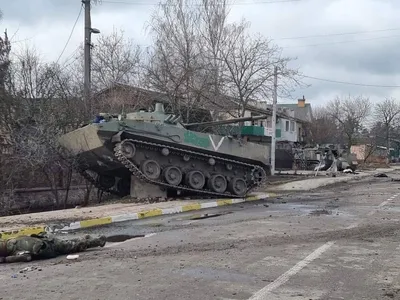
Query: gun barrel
{"x":224,"y":122}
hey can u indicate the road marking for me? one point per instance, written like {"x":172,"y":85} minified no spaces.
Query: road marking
{"x":382,"y":204}
{"x":354,"y":225}
{"x":264,"y":292}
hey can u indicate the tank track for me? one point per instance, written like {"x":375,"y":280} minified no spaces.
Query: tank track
{"x":96,"y":183}
{"x":177,"y":151}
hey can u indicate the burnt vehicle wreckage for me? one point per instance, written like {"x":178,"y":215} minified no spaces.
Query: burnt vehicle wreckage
{"x":158,"y":149}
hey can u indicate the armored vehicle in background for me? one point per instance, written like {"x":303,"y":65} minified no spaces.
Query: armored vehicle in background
{"x":344,"y":159}
{"x":157,"y":148}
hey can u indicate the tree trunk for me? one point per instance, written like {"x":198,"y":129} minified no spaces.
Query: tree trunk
{"x":67,"y":186}
{"x":53,"y":183}
{"x":242,"y":111}
{"x":87,"y":194}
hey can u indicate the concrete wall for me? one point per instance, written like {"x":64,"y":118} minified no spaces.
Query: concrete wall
{"x":361,"y":151}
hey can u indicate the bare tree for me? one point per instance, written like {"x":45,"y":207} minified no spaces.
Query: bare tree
{"x":250,"y":63}
{"x":350,"y":113}
{"x":6,"y":109}
{"x":324,"y":129}
{"x":44,"y":109}
{"x":387,"y":112}
{"x":115,"y":59}
{"x":175,"y":67}
{"x":6,"y":104}
{"x":199,"y":59}
{"x":213,"y":34}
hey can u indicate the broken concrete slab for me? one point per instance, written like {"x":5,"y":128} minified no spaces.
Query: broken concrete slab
{"x":144,"y":190}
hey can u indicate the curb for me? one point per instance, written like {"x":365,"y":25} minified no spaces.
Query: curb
{"x":53,"y":228}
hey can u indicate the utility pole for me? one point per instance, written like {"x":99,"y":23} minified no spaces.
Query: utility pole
{"x":87,"y":49}
{"x":273,"y":137}
{"x":87,"y":45}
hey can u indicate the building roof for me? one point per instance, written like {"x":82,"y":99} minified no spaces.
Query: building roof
{"x":303,"y":113}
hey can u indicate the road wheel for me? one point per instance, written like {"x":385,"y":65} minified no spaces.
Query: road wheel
{"x":238,"y":186}
{"x":195,"y":180}
{"x":151,"y":169}
{"x":173,"y":175}
{"x":128,"y":149}
{"x":217,"y":183}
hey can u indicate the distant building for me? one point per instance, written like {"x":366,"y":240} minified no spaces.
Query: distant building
{"x":370,"y":152}
{"x":301,"y":109}
{"x":289,"y":128}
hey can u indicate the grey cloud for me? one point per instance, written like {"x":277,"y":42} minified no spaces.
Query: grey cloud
{"x":36,"y":11}
{"x":374,"y":56}
{"x":28,"y":12}
{"x":376,"y":61}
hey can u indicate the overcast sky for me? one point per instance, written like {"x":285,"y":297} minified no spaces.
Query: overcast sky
{"x":370,"y":56}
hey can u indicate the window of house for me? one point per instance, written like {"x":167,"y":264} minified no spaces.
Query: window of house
{"x":287,"y":126}
{"x":269,"y":123}
{"x":291,"y":126}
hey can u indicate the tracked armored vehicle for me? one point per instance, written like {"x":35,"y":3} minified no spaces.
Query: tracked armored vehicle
{"x":157,"y":148}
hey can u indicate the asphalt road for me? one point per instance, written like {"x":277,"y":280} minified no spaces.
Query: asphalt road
{"x":336,"y":243}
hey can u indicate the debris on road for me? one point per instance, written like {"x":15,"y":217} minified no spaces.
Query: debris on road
{"x":207,"y":216}
{"x":72,"y":256}
{"x":29,"y":269}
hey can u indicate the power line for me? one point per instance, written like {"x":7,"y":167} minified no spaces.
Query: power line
{"x":72,"y":56}
{"x":23,"y":40}
{"x":238,"y":3}
{"x":336,"y":34}
{"x":70,"y":35}
{"x":341,"y":42}
{"x":353,"y":83}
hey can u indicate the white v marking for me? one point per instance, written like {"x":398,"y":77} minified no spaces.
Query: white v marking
{"x":219,"y":143}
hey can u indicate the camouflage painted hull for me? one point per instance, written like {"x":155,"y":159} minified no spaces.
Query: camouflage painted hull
{"x":169,"y":156}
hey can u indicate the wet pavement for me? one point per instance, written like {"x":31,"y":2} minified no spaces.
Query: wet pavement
{"x":340,"y":242}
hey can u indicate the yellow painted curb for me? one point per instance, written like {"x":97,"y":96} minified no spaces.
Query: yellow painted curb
{"x":19,"y":232}
{"x":149,"y":213}
{"x":223,"y":202}
{"x":95,"y":222}
{"x":189,"y":207}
